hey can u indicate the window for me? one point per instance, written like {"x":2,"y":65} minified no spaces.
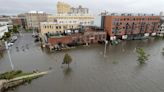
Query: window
{"x":99,"y":36}
{"x":95,"y":37}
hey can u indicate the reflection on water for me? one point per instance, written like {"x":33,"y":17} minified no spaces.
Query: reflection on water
{"x":67,"y":71}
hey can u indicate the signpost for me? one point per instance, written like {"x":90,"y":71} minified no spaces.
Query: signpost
{"x":8,"y":52}
{"x":106,"y":42}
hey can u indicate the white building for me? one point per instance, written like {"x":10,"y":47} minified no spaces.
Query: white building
{"x":6,"y":21}
{"x":79,"y":10}
{"x":8,"y":24}
{"x":161,"y":30}
{"x":3,"y":29}
{"x":84,"y":20}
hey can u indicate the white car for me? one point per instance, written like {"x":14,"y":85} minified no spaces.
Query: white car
{"x":14,"y":37}
{"x":10,"y":44}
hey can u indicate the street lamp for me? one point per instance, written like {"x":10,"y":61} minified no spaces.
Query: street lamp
{"x":106,"y":42}
{"x":8,"y":52}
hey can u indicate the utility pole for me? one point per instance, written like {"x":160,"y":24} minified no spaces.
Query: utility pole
{"x":8,"y":52}
{"x":106,"y":42}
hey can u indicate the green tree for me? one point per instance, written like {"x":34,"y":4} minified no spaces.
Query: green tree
{"x":67,"y":59}
{"x":15,"y":29}
{"x":6,"y":36}
{"x":142,"y":56}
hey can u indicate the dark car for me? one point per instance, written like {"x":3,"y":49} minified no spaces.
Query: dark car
{"x":36,"y":40}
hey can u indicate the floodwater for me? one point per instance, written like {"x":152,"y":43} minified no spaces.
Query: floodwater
{"x":90,"y":71}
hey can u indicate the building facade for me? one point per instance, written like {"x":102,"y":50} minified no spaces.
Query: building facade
{"x":33,"y":19}
{"x":88,"y":37}
{"x":63,"y":8}
{"x":79,"y":10}
{"x":85,"y":20}
{"x":130,"y":26}
{"x":16,"y":21}
{"x":66,"y":19}
{"x":53,"y":27}
{"x":161,"y":30}
{"x":3,"y":29}
{"x":23,"y":20}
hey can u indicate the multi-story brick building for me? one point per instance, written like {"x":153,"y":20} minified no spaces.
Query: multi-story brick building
{"x":128,"y":26}
{"x":16,"y":21}
{"x":33,"y":19}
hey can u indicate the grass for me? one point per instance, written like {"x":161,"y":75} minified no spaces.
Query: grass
{"x":28,"y":30}
{"x":159,"y":37}
{"x":115,"y":62}
{"x":12,"y":74}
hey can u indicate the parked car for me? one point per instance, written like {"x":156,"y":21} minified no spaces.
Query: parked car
{"x":10,"y":44}
{"x":36,"y":40}
{"x":14,"y":38}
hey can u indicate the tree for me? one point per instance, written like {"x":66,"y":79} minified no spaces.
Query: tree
{"x":142,"y":56}
{"x":15,"y":29}
{"x":67,"y":59}
{"x":6,"y":36}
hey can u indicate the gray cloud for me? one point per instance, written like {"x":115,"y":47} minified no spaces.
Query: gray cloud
{"x":95,"y":6}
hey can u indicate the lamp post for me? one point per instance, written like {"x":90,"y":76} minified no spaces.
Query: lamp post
{"x":8,"y":52}
{"x":106,"y":42}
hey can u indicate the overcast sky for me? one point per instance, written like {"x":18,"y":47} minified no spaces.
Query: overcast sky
{"x":11,"y":7}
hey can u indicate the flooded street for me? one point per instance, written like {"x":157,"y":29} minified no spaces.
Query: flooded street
{"x":89,"y":71}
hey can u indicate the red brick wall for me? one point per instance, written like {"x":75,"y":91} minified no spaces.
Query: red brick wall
{"x":87,"y":37}
{"x":109,"y":24}
{"x":64,"y":40}
{"x":17,"y":22}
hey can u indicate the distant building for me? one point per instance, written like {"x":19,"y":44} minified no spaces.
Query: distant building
{"x":16,"y":21}
{"x":33,"y":19}
{"x":128,"y":26}
{"x":3,"y":29}
{"x":63,"y":8}
{"x":161,"y":30}
{"x":79,"y":10}
{"x":162,"y":17}
{"x":23,"y":20}
{"x":85,"y":20}
{"x":6,"y":20}
{"x":66,"y":19}
{"x":61,"y":23}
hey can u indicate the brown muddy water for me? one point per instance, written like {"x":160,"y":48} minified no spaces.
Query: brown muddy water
{"x":90,"y":71}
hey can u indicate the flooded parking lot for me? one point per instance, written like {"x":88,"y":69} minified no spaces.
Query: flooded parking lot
{"x":90,"y":71}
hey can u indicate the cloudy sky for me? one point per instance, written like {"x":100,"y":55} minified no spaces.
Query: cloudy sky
{"x":11,"y":7}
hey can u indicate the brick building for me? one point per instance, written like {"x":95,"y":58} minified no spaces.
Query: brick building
{"x":128,"y":26}
{"x":90,"y":36}
{"x":16,"y":21}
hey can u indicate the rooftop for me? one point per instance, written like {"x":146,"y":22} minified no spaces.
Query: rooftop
{"x":130,"y":14}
